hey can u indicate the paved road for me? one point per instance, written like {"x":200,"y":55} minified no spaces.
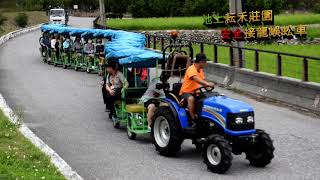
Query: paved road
{"x":64,"y":108}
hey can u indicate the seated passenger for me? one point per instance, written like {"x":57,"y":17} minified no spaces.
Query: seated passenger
{"x":67,"y":47}
{"x":52,"y":46}
{"x":45,"y":43}
{"x":194,"y":79}
{"x":114,"y":84}
{"x":55,"y":45}
{"x":100,"y":54}
{"x":140,"y":78}
{"x":89,"y":50}
{"x":150,"y":99}
{"x":78,"y":46}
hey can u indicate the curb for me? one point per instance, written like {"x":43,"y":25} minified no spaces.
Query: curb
{"x":13,"y":34}
{"x":61,"y":165}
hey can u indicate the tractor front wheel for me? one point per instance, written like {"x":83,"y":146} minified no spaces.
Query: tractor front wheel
{"x":261,"y":153}
{"x":217,"y":154}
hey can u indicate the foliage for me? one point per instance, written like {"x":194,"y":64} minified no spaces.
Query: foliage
{"x":316,"y":7}
{"x":275,"y":5}
{"x":35,"y":17}
{"x":21,"y":19}
{"x":2,"y":19}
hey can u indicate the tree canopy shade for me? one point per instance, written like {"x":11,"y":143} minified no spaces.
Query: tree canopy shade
{"x":165,"y":8}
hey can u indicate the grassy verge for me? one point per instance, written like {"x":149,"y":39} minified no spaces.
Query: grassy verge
{"x":19,"y":159}
{"x":197,"y":22}
{"x":34,"y":18}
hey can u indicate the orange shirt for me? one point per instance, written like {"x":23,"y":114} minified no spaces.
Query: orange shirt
{"x":189,"y":85}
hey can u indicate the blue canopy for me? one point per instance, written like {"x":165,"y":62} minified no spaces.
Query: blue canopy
{"x":128,"y":48}
{"x":146,"y":59}
{"x":122,"y":53}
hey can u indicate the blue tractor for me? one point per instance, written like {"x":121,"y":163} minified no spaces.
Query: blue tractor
{"x":226,"y":126}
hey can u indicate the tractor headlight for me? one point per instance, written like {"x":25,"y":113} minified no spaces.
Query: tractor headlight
{"x":239,"y":120}
{"x":250,"y":119}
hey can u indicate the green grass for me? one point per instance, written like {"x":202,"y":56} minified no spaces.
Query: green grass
{"x":313,"y":32}
{"x":291,"y":66}
{"x":19,"y":159}
{"x":34,"y":18}
{"x":295,"y":19}
{"x":196,"y":23}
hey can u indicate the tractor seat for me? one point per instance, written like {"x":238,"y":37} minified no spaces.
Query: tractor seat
{"x":177,"y":99}
{"x":135,"y":108}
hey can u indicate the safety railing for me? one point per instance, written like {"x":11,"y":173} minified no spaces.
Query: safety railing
{"x":279,"y":63}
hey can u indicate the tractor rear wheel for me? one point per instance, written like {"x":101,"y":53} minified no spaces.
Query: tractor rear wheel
{"x":217,"y":154}
{"x":166,"y":132}
{"x":261,"y":153}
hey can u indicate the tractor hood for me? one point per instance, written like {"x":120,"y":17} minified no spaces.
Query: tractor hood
{"x":224,"y":105}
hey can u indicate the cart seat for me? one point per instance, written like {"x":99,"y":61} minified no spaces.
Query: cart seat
{"x":135,"y":108}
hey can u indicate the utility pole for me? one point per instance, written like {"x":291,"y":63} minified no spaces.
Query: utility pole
{"x":102,"y":13}
{"x":235,"y":6}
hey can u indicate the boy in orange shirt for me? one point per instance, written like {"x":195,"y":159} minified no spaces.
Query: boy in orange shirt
{"x":194,"y":79}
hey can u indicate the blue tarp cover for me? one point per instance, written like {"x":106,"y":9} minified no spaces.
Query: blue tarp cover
{"x":128,"y":48}
{"x":146,"y":59}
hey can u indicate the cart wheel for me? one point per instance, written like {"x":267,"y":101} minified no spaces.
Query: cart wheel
{"x":131,"y":135}
{"x":116,"y":124}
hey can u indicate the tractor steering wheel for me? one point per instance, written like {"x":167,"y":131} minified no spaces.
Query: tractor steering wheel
{"x":200,"y":91}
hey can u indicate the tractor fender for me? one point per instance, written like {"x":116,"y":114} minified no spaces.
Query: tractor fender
{"x":179,"y":113}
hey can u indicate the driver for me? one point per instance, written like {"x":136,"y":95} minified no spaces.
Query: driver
{"x":194,"y":79}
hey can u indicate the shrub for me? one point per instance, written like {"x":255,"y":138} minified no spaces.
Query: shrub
{"x":21,"y":19}
{"x":2,"y":19}
{"x":316,"y":8}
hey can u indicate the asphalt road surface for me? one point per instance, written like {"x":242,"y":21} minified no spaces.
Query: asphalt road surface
{"x":65,"y":109}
